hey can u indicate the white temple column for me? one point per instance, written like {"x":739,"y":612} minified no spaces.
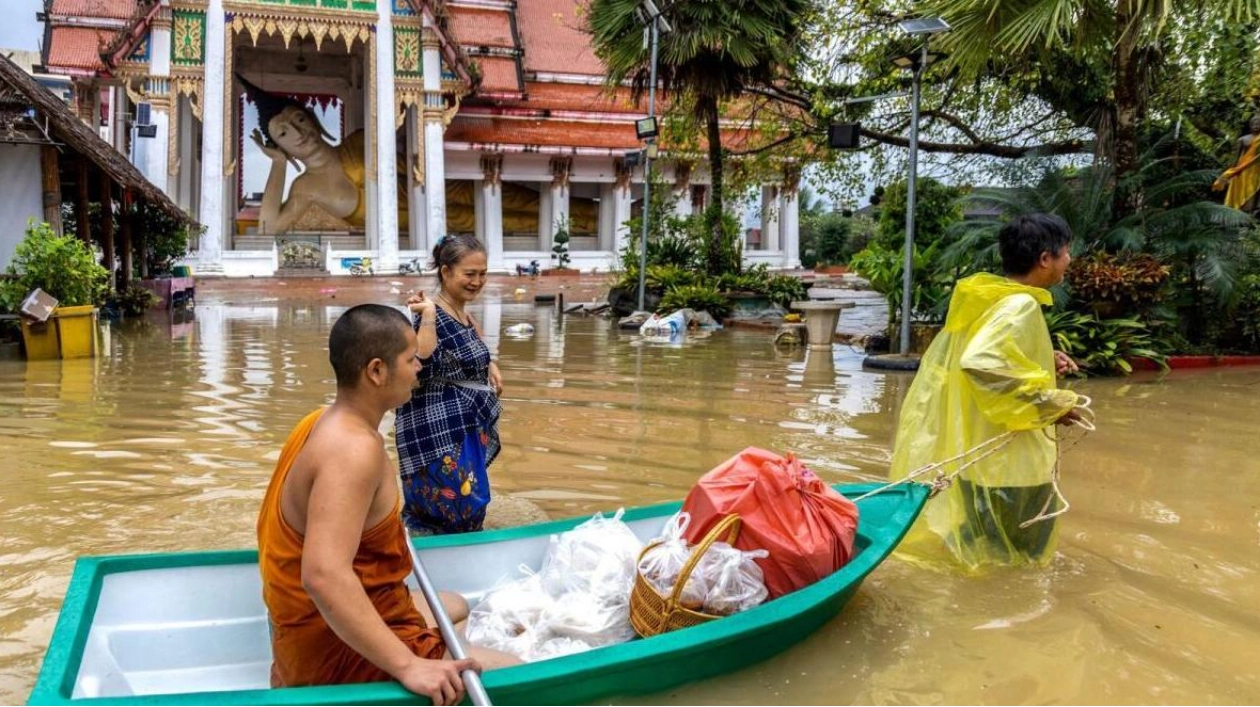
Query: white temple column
{"x":434,"y":153}
{"x":417,"y":222}
{"x":770,"y":208}
{"x":607,"y":209}
{"x":210,"y":248}
{"x":790,"y":228}
{"x":184,"y":181}
{"x":622,"y":202}
{"x":682,"y":189}
{"x":682,"y":205}
{"x":560,"y":168}
{"x":386,"y":142}
{"x":153,"y":152}
{"x":545,"y":214}
{"x":559,"y":211}
{"x":490,"y":218}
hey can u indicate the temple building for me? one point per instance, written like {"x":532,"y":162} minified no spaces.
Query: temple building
{"x":275,"y":123}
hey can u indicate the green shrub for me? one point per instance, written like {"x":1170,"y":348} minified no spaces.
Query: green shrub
{"x":783,"y":290}
{"x":62,"y":266}
{"x":930,"y":286}
{"x":135,"y":300}
{"x":702,"y":298}
{"x":1103,"y":346}
{"x":936,"y":208}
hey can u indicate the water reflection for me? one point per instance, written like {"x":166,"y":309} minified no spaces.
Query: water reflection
{"x":168,"y":441}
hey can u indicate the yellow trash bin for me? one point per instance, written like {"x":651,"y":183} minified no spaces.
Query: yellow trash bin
{"x":76,"y":327}
{"x":41,"y":340}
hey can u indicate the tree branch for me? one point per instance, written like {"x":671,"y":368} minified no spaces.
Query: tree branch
{"x":766,"y":147}
{"x":1066,"y":147}
{"x":955,"y":121}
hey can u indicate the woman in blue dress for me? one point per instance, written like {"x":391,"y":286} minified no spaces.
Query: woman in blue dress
{"x":447,"y":434}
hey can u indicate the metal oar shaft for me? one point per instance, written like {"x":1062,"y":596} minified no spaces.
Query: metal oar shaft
{"x":472,"y":681}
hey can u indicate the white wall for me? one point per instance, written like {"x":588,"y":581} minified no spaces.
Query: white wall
{"x":21,"y":198}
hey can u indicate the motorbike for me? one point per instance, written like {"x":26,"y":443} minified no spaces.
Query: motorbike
{"x":363,"y":267}
{"x":532,"y":269}
{"x":413,"y":266}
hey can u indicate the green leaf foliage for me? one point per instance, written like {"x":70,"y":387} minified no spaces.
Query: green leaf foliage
{"x":63,"y":266}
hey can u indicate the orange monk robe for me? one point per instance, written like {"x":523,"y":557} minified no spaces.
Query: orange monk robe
{"x":1243,"y":178}
{"x":305,"y":649}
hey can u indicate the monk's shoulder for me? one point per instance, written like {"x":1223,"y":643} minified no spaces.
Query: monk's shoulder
{"x":345,"y":445}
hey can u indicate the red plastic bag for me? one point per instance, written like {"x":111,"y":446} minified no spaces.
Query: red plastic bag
{"x":806,"y":525}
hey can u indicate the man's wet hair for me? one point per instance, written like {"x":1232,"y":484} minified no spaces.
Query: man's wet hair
{"x":1022,"y":241}
{"x":363,"y":333}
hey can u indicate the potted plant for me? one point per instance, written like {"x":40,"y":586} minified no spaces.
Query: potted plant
{"x":560,"y":250}
{"x":66,"y":269}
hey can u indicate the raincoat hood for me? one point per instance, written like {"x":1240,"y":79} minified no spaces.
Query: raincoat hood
{"x":975,"y":295}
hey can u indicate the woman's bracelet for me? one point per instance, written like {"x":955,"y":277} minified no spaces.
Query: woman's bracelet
{"x":428,"y":322}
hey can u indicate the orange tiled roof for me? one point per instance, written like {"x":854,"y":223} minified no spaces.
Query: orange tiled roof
{"x":498,"y":73}
{"x":77,"y":47}
{"x":107,"y":9}
{"x":479,"y":27}
{"x":553,"y":38}
{"x":542,"y":131}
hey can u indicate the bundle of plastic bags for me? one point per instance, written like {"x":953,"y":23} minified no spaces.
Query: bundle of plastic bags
{"x":579,"y":600}
{"x":725,"y":581}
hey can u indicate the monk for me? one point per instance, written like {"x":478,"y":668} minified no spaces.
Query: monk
{"x":332,"y":547}
{"x":1242,"y":181}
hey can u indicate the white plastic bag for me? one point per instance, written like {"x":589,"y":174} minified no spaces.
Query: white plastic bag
{"x":662,"y":565}
{"x":593,"y":621}
{"x":578,"y":601}
{"x":735,"y":582}
{"x":509,"y":617}
{"x":597,"y":556}
{"x":669,"y":326}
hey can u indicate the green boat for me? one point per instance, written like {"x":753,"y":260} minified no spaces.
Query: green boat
{"x":190,"y":628}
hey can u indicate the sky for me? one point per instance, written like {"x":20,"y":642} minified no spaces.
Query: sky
{"x":20,"y":29}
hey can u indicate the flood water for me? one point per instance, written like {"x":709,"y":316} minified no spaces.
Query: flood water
{"x":167,"y":444}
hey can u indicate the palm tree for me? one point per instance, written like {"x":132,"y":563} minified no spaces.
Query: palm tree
{"x":1126,"y":37}
{"x":717,"y":50}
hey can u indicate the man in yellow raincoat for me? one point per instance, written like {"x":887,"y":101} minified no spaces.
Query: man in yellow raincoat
{"x":992,"y":370}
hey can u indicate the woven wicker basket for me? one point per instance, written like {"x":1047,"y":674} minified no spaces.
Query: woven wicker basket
{"x":651,"y":613}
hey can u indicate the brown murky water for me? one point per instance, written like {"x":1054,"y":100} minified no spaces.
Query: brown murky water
{"x":167,"y":443}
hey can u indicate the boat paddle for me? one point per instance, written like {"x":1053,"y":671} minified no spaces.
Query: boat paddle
{"x":472,"y":681}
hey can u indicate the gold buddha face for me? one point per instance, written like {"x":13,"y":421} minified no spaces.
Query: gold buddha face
{"x":295,"y":131}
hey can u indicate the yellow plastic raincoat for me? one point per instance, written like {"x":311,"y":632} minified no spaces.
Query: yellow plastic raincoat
{"x":990,"y":370}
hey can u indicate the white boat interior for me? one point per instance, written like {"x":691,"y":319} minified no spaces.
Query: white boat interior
{"x":204,"y":628}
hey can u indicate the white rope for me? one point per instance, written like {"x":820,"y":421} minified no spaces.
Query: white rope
{"x":1085,"y":420}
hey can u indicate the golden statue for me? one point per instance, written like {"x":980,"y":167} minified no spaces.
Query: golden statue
{"x":334,"y":175}
{"x":1242,"y":181}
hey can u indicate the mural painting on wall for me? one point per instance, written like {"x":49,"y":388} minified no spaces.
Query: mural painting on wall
{"x":332,"y":176}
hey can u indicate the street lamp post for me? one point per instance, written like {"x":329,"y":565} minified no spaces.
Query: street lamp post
{"x":910,"y":203}
{"x":647,"y":130}
{"x":926,"y":26}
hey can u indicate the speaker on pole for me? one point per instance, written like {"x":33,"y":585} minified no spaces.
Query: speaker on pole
{"x":844,"y":135}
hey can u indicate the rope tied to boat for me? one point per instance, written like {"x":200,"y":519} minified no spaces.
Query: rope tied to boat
{"x":1083,"y":423}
